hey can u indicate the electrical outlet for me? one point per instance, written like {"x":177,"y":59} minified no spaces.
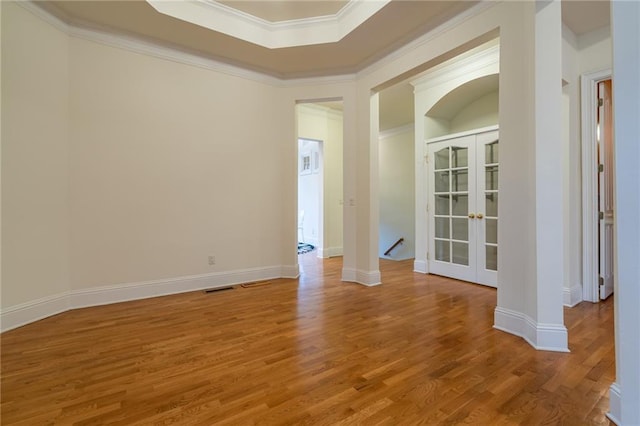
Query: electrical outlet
{"x":212,"y":260}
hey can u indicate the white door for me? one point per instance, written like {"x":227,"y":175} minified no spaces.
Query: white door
{"x":463,"y":207}
{"x":605,"y":189}
{"x":487,"y":158}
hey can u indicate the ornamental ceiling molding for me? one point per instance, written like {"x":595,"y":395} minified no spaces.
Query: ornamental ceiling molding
{"x":272,"y":35}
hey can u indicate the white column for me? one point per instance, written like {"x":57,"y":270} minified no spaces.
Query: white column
{"x":530,"y":241}
{"x":362,"y":203}
{"x":625,"y":392}
{"x":549,"y":171}
{"x":349,"y":167}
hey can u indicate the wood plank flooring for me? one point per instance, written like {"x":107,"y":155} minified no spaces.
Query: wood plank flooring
{"x":417,"y":350}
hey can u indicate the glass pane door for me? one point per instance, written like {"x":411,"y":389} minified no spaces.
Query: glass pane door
{"x":488,"y":165}
{"x":450,"y":172}
{"x":463,"y":207}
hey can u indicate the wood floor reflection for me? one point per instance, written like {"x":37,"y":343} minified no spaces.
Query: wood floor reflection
{"x":418,"y":349}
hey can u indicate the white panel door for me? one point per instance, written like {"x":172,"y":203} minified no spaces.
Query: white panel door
{"x":463,"y":207}
{"x":605,"y":189}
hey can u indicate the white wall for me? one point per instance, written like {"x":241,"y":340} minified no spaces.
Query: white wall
{"x":571,"y":150}
{"x":482,"y":112}
{"x":625,"y":393}
{"x":35,"y":163}
{"x":122,"y":173}
{"x":325,"y":124}
{"x":170,"y":164}
{"x":594,"y":50}
{"x":397,"y":192}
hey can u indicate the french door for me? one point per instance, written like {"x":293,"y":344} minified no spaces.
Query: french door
{"x":462,"y":207}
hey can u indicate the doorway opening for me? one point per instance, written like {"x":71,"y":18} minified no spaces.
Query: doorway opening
{"x":310,"y":195}
{"x":598,"y":186}
{"x":319,"y":176}
{"x":396,"y":172}
{"x":457,"y":184}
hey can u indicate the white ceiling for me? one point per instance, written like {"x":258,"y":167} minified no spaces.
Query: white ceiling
{"x":449,"y":106}
{"x":231,"y":18}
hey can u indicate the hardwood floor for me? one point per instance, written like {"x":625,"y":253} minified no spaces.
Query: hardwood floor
{"x":417,"y":350}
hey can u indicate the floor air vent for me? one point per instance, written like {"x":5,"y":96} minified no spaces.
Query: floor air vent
{"x":213,"y":290}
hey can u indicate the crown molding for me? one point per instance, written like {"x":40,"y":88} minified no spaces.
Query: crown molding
{"x":457,"y":67}
{"x":273,"y":35}
{"x":45,"y":16}
{"x":428,"y":37}
{"x":157,"y":50}
{"x":136,"y":45}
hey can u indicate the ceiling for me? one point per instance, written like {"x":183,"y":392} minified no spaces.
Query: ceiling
{"x":397,"y":23}
{"x":277,"y":11}
{"x":402,"y":21}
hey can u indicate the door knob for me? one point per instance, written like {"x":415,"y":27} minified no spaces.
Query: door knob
{"x":471,"y":215}
{"x":479,"y":216}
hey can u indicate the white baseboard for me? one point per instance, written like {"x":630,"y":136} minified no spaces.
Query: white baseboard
{"x":26,"y":313}
{"x":329,"y":252}
{"x":397,"y":259}
{"x":420,"y":266}
{"x":615,"y":407}
{"x":290,"y":271}
{"x":572,"y":296}
{"x":543,"y":337}
{"x":348,"y":274}
{"x":367,"y":278}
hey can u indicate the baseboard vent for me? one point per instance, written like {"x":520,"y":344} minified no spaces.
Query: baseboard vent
{"x":213,"y":290}
{"x":255,"y":284}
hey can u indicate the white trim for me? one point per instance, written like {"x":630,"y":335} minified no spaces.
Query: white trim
{"x":28,"y":312}
{"x":544,"y":337}
{"x":465,"y":133}
{"x":358,"y":276}
{"x":572,"y":295}
{"x":428,"y":37}
{"x":615,"y":404}
{"x":290,"y":271}
{"x":47,"y":17}
{"x":272,"y":35}
{"x":329,"y":252}
{"x":368,"y":278}
{"x":407,"y":128}
{"x":589,"y":96}
{"x":348,"y":274}
{"x":420,"y":266}
{"x":457,"y":67}
{"x":136,"y":45}
{"x":317,"y":81}
{"x":157,"y":50}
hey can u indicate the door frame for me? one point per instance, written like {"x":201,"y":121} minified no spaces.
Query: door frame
{"x":589,"y":99}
